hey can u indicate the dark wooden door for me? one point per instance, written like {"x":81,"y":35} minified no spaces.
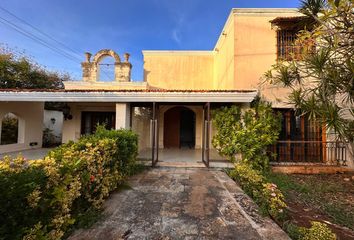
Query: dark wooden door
{"x":171,"y":133}
{"x":300,"y":139}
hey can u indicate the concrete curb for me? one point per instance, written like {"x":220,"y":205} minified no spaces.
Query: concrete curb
{"x":265,"y":227}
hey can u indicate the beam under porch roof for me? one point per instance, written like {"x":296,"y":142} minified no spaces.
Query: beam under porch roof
{"x":128,"y":96}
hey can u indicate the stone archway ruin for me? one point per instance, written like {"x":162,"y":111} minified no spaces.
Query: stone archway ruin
{"x":90,"y":69}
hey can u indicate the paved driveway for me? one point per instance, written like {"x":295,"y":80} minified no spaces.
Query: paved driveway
{"x":169,"y":203}
{"x":30,"y":154}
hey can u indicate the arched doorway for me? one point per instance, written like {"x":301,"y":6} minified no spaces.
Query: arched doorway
{"x":179,"y":128}
{"x":9,"y":129}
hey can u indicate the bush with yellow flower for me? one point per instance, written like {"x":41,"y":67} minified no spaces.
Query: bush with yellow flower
{"x":38,"y":197}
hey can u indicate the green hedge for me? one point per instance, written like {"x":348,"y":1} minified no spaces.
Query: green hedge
{"x":41,"y":199}
{"x":15,"y":212}
{"x":267,"y":195}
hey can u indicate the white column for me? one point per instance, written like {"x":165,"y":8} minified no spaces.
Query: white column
{"x":122,"y":115}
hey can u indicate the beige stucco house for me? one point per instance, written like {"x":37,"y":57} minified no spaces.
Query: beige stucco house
{"x":170,"y":108}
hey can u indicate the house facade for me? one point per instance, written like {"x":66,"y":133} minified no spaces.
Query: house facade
{"x":170,"y":108}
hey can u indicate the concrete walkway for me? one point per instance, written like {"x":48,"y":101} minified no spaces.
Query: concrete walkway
{"x":184,"y":157}
{"x":180,"y":203}
{"x":30,"y":154}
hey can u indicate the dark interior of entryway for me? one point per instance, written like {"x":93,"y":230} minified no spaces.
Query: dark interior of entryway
{"x":179,"y":128}
{"x":90,"y":120}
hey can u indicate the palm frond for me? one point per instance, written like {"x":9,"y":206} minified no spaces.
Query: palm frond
{"x":312,"y":8}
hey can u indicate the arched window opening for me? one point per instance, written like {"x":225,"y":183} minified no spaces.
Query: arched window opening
{"x":106,"y":69}
{"x":9,"y":129}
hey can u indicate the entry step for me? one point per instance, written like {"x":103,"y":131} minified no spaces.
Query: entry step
{"x":181,"y":164}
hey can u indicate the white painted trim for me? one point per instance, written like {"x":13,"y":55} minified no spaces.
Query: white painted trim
{"x":265,"y":10}
{"x":242,"y":97}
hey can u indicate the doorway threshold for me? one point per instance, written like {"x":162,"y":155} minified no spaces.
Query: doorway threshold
{"x":181,"y":164}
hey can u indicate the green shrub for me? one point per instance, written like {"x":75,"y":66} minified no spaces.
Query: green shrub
{"x":317,"y":231}
{"x":16,"y":184}
{"x":266,"y":195}
{"x":250,"y":180}
{"x":246,"y":132}
{"x":273,"y":200}
{"x":126,"y":143}
{"x":93,"y":161}
{"x":41,"y":199}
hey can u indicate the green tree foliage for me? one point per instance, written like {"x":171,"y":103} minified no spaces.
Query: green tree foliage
{"x":248,"y":133}
{"x":322,"y":81}
{"x":18,"y":71}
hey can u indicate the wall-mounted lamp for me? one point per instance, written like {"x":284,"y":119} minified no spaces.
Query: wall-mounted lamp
{"x":66,"y":112}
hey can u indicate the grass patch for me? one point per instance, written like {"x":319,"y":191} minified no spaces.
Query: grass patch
{"x":329,"y":195}
{"x":286,"y":183}
{"x":340,"y":214}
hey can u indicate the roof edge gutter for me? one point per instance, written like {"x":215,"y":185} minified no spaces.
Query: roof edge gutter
{"x":242,"y":97}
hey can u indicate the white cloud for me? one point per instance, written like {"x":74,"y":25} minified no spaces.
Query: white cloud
{"x":176,"y":36}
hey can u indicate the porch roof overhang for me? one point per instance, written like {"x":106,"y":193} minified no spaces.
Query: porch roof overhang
{"x":231,"y":96}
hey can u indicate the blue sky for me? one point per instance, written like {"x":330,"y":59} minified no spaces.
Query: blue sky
{"x":124,"y":26}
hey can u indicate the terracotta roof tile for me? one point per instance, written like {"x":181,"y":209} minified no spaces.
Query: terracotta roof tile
{"x":288,"y":19}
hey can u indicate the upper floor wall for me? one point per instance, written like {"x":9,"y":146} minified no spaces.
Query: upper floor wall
{"x":255,"y":49}
{"x":245,"y":50}
{"x":179,"y":69}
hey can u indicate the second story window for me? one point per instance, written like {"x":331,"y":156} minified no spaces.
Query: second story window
{"x":286,"y":45}
{"x":287,"y":30}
